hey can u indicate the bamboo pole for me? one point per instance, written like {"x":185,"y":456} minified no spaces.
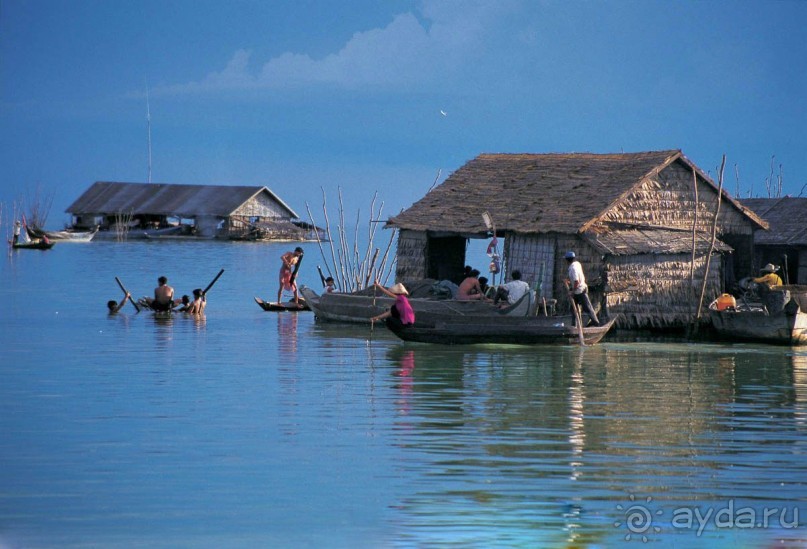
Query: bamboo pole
{"x":714,"y":237}
{"x":694,"y":247}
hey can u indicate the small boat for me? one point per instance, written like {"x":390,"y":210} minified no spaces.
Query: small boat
{"x":33,"y":244}
{"x":360,"y":307}
{"x":503,"y":330}
{"x":280,"y":307}
{"x":64,"y":236}
{"x":780,"y":318}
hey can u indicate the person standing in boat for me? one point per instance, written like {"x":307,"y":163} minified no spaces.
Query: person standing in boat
{"x":16,"y":237}
{"x":401,"y":311}
{"x":577,"y":286}
{"x":289,"y":259}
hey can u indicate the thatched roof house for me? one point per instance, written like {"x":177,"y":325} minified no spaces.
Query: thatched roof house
{"x":787,"y":236}
{"x":629,"y":217}
{"x":213,"y":209}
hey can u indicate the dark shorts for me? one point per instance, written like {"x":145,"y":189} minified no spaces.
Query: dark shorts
{"x":157,"y":306}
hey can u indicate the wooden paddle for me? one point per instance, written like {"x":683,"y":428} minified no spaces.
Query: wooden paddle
{"x":321,"y":276}
{"x":127,"y":292}
{"x":221,"y":272}
{"x":578,"y":319}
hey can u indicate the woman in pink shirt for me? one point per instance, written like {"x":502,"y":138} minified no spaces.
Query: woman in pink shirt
{"x":401,"y":311}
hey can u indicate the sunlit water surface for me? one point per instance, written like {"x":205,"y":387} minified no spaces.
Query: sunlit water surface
{"x":255,"y":429}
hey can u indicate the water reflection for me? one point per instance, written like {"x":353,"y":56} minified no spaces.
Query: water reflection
{"x":550,"y":441}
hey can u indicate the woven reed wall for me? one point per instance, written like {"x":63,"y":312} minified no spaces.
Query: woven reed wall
{"x":528,"y":253}
{"x":411,"y":255}
{"x":654,"y":291}
{"x":667,"y":199}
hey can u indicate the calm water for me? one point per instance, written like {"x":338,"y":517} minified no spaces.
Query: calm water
{"x":255,"y":429}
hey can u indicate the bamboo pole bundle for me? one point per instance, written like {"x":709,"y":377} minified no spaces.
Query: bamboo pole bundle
{"x":714,"y":236}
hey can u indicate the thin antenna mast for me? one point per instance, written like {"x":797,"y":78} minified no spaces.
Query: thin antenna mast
{"x":148,"y":122}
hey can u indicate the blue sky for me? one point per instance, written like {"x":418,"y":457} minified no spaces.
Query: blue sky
{"x":301,"y":95}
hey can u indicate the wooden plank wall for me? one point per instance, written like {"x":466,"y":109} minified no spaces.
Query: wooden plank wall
{"x":411,"y":255}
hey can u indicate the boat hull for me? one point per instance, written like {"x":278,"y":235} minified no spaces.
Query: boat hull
{"x":757,"y":325}
{"x":355,"y":308}
{"x":505,"y":330}
{"x":289,"y":306}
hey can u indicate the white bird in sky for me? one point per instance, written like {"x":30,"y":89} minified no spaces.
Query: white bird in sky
{"x":444,"y":113}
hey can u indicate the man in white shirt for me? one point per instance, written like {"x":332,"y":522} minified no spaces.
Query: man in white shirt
{"x":513,"y":290}
{"x":578,"y":288}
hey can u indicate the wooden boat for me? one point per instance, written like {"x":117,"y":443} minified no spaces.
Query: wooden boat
{"x":34,"y":244}
{"x":782,"y":320}
{"x":64,"y":236}
{"x":360,"y":307}
{"x":280,"y":307}
{"x":530,"y":330}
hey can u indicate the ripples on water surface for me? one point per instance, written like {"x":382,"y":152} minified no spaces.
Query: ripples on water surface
{"x":255,"y":429}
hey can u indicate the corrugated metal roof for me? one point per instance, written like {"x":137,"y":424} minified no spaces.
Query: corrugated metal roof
{"x":536,"y":193}
{"x":653,"y":241}
{"x":787,"y":217}
{"x":105,"y":197}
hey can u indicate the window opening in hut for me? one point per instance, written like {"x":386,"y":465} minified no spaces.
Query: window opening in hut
{"x":481,"y":255}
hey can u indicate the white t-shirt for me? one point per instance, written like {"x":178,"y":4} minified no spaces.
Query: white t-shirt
{"x":516,"y":290}
{"x":576,"y":275}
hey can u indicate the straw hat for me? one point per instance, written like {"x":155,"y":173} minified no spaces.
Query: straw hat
{"x":399,"y":289}
{"x":769,"y":268}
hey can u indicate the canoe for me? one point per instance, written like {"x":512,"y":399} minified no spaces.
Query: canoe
{"x":530,"y":330}
{"x":360,"y":307}
{"x":64,"y":236}
{"x":763,"y":321}
{"x":281,"y":307}
{"x":37,"y":244}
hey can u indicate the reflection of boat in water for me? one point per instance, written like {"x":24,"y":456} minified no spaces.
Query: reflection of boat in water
{"x":360,"y":306}
{"x":452,"y":330}
{"x":781,"y":317}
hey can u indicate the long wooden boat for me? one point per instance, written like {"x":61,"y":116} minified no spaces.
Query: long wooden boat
{"x":754,"y":321}
{"x":362,"y":306}
{"x":281,"y":307}
{"x":64,"y":236}
{"x":35,"y":244}
{"x":530,"y":330}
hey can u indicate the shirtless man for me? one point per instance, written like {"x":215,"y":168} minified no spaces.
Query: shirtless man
{"x":470,"y":289}
{"x":163,"y":296}
{"x":115,"y":306}
{"x":199,"y":303}
{"x":289,"y":260}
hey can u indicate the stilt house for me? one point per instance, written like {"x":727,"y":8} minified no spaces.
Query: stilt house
{"x":211,"y":210}
{"x":640,"y":223}
{"x":785,"y":244}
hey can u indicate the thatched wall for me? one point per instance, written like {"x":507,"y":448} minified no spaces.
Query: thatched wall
{"x":412,"y":255}
{"x":534,"y":256}
{"x":668,"y":200}
{"x":654,"y":291}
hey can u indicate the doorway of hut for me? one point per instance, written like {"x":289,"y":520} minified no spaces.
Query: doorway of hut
{"x":448,"y":256}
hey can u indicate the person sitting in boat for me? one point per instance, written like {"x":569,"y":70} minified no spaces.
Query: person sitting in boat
{"x":329,"y":285}
{"x":163,"y":296}
{"x":115,"y":306}
{"x":470,"y":289}
{"x":483,"y":285}
{"x":769,"y":277}
{"x":289,"y":259}
{"x":199,"y":303}
{"x":401,"y":311}
{"x":513,"y":290}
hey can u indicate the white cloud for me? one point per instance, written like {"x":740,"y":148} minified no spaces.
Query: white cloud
{"x":406,"y":54}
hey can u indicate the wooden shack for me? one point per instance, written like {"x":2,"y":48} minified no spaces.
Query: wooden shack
{"x":785,"y":243}
{"x":632,"y":219}
{"x":210,"y":210}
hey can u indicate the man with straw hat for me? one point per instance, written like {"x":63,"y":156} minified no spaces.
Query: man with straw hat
{"x":401,"y":311}
{"x":769,"y":277}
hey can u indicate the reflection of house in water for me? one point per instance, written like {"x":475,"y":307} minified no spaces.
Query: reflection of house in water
{"x":241,"y":212}
{"x":787,"y":235}
{"x":629,"y":217}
